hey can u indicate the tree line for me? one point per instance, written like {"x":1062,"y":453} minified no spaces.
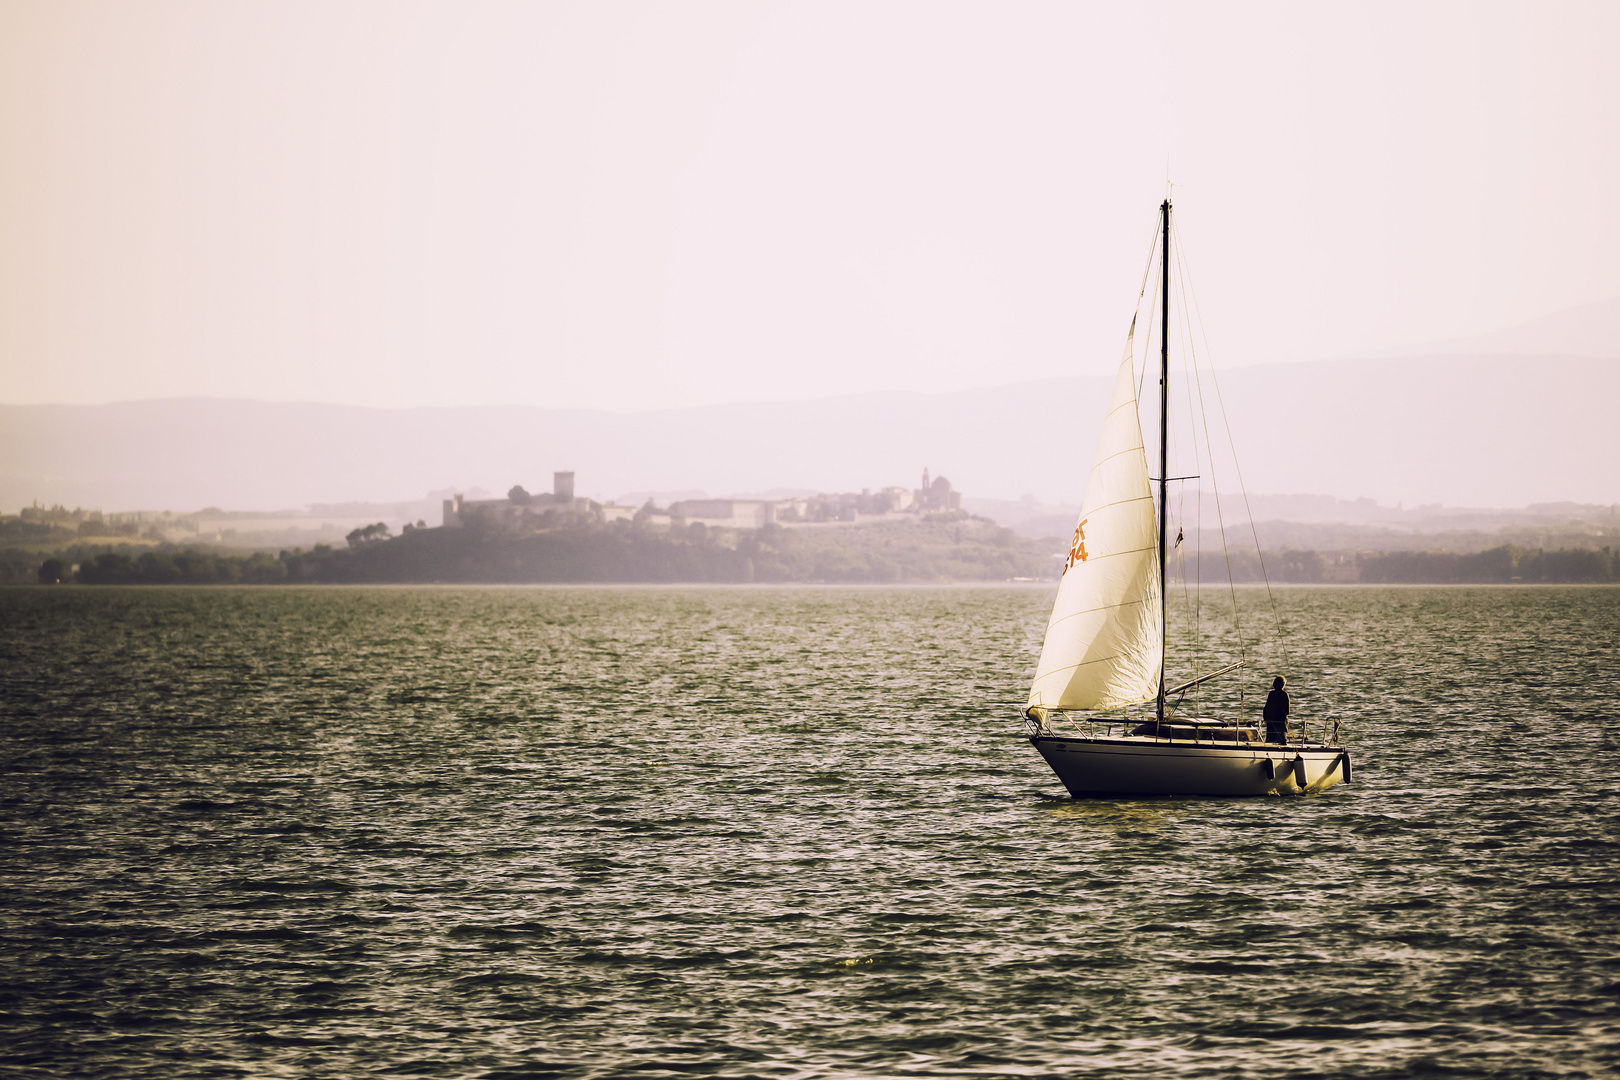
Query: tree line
{"x":582,"y":550}
{"x":943,"y":549}
{"x":1500,"y":565}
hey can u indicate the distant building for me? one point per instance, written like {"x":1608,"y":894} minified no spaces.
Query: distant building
{"x":727,"y":513}
{"x":936,"y":494}
{"x":788,"y":510}
{"x":844,"y":507}
{"x":458,"y":511}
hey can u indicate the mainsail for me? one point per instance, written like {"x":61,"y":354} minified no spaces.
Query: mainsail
{"x":1104,"y":641}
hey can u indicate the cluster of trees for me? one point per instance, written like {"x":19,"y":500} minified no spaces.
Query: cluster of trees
{"x":1498,"y":565}
{"x":580,"y":550}
{"x":1245,"y":566}
{"x":1503,"y":565}
{"x":171,"y":568}
{"x":369,"y":534}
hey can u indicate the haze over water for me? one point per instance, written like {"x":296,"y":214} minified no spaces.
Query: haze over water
{"x":651,"y":832}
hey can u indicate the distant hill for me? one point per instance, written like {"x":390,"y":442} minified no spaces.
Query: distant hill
{"x":1587,"y":330}
{"x":1485,"y":430}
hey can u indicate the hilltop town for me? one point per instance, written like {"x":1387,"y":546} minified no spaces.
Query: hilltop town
{"x":38,"y":525}
{"x":891,"y":534}
{"x":847,"y":508}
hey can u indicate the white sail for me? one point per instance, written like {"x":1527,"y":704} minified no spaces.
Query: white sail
{"x":1104,"y":641}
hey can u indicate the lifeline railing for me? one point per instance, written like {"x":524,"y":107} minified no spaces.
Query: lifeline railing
{"x":1330,"y":729}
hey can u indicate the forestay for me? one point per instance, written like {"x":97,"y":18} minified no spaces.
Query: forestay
{"x":1104,"y":642}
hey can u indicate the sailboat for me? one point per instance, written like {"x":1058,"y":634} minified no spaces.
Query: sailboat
{"x":1104,"y":649}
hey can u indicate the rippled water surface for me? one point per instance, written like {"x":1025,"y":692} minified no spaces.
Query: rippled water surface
{"x":780,"y":833}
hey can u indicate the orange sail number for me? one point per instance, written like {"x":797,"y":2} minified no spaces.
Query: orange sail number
{"x":1077,"y":549}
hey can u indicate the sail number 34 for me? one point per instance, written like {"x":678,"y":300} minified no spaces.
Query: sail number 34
{"x":1077,"y":549}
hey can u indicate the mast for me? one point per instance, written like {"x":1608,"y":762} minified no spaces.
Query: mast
{"x":1164,"y":448}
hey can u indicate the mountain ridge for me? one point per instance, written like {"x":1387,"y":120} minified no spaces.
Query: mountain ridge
{"x":1459,"y":430}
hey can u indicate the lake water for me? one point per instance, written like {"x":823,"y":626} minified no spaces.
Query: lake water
{"x":781,"y":833}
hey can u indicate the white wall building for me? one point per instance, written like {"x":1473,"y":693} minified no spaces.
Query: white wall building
{"x":727,"y":513}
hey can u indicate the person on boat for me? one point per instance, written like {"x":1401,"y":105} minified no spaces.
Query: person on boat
{"x":1276,"y":712}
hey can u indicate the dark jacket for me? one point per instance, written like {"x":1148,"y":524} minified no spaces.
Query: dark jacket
{"x":1276,"y":710}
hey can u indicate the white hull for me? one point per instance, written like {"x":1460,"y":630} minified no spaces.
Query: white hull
{"x":1142,"y":765}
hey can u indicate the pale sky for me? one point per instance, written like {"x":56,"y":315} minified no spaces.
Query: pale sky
{"x":639,"y":205}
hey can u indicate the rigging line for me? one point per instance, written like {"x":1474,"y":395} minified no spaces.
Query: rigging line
{"x":1220,"y":515}
{"x":1334,"y":708}
{"x":1198,"y":562}
{"x":1214,"y":479}
{"x":1153,"y":250}
{"x":1147,"y":339}
{"x":1193,"y":416}
{"x":1147,"y":273}
{"x":1237,"y":465}
{"x":1181,"y":565}
{"x":1198,"y":470}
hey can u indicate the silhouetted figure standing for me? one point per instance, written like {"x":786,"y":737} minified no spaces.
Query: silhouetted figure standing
{"x":1276,"y":712}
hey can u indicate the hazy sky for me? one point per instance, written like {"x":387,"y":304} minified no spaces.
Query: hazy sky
{"x":638,"y":205}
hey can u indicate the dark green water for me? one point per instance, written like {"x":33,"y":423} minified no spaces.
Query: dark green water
{"x":782,"y":833}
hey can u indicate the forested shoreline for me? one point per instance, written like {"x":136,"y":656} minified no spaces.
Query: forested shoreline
{"x":945,"y":549}
{"x":948,"y":548}
{"x":1502,"y":565}
{"x":1505,"y":564}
